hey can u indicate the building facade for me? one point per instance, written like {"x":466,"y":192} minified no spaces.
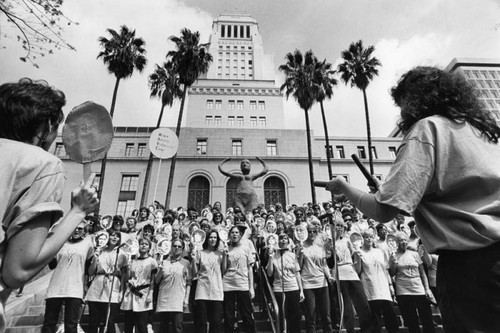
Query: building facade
{"x":235,"y":110}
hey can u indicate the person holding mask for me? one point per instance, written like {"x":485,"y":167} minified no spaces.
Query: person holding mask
{"x":238,"y":283}
{"x":287,"y":285}
{"x":174,"y":277}
{"x":209,"y":265}
{"x":32,"y":182}
{"x":447,"y":175}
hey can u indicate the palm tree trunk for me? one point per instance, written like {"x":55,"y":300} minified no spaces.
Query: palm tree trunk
{"x":368,"y":133}
{"x":327,"y":142}
{"x":174,"y":158}
{"x":105,"y":158}
{"x":145,"y":187}
{"x":309,"y":157}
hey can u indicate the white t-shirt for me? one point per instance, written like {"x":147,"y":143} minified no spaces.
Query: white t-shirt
{"x":140,"y":275}
{"x":68,"y":279}
{"x":100,"y":287}
{"x":290,"y":268}
{"x":236,"y":277}
{"x":407,"y":280}
{"x":374,"y":275}
{"x":175,"y":278}
{"x":313,"y":275}
{"x":344,"y":260}
{"x":209,"y":286}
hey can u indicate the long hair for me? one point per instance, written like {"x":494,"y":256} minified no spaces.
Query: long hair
{"x":205,"y":243}
{"x":426,"y":91}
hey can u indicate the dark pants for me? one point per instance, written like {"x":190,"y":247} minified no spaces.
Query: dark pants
{"x":72,"y":308}
{"x":468,"y":284}
{"x":240,"y":300}
{"x":139,"y":320}
{"x":383,"y":308}
{"x":292,"y":310}
{"x":209,"y":312}
{"x":97,"y":316}
{"x":317,"y":300}
{"x":354,"y":294}
{"x":409,"y":305}
{"x":176,"y":318}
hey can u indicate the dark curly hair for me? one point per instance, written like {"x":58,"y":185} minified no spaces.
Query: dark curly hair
{"x":426,"y":91}
{"x":25,"y":105}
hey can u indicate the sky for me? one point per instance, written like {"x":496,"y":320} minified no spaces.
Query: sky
{"x":405,"y":34}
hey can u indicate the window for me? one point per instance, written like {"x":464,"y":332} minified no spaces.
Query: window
{"x":217,"y":120}
{"x":128,"y":149}
{"x":228,"y":31}
{"x":223,"y":31}
{"x":201,"y":147}
{"x":59,"y":150}
{"x":126,"y":198}
{"x":374,"y":153}
{"x":218,"y":104}
{"x":242,"y":31}
{"x":262,"y":121}
{"x":329,"y":151}
{"x":210,"y":103}
{"x":235,"y":29}
{"x":262,"y":105}
{"x":240,"y":121}
{"x":361,"y":152}
{"x":141,"y":149}
{"x":253,"y":105}
{"x":250,"y":62}
{"x":253,"y":121}
{"x":208,"y":120}
{"x":248,"y":32}
{"x":230,"y":105}
{"x":271,"y":148}
{"x":340,"y":151}
{"x":230,"y":120}
{"x":236,"y":147}
{"x":392,"y":152}
{"x":239,"y":105}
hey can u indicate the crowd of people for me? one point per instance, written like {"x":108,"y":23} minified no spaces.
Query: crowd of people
{"x":207,"y":263}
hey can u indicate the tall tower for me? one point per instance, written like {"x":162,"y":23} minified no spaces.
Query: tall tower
{"x":239,"y":89}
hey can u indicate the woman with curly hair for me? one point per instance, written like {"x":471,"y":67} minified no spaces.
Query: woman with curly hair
{"x":447,"y":174}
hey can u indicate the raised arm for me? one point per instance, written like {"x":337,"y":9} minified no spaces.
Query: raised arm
{"x":264,"y":170}
{"x":225,"y":173}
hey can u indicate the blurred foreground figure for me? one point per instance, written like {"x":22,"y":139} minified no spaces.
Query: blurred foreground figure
{"x":447,"y":174}
{"x":32,"y":182}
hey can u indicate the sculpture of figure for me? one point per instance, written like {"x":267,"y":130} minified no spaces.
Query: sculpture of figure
{"x":245,"y":196}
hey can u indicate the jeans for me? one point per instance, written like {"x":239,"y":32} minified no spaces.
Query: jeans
{"x":354,"y":294}
{"x":72,"y":308}
{"x":468,"y":287}
{"x":383,"y":308}
{"x":176,"y":318}
{"x":292,"y":310}
{"x":139,"y":320}
{"x":209,"y":312}
{"x":97,"y":316}
{"x":317,"y":300}
{"x":409,"y":305}
{"x":240,"y":299}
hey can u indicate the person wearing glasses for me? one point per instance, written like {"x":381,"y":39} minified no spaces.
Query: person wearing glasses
{"x":315,"y":276}
{"x":67,"y":283}
{"x":32,"y":183}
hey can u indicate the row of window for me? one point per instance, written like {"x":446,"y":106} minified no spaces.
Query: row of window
{"x":475,"y":74}
{"x":236,"y":90}
{"x":340,"y":152}
{"x":234,"y":31}
{"x":236,"y":147}
{"x":238,"y":105}
{"x":130,"y":147}
{"x":487,"y":84}
{"x":235,"y":121}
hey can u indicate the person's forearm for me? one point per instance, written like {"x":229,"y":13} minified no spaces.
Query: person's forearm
{"x":366,"y":203}
{"x":250,"y":277}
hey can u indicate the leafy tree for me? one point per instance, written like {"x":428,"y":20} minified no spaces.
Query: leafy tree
{"x":299,"y":82}
{"x":190,"y":60}
{"x":163,"y":83}
{"x":358,"y":69}
{"x":323,"y":77}
{"x":122,"y":53}
{"x":38,"y":26}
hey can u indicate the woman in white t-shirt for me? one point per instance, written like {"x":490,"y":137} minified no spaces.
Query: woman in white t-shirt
{"x":208,"y":266}
{"x":138,"y":296}
{"x":412,"y":287}
{"x":287,"y":286}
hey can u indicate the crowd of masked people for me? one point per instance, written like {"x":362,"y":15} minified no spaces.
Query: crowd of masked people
{"x":326,"y":261}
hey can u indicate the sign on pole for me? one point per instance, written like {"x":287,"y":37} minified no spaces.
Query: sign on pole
{"x":163,"y":143}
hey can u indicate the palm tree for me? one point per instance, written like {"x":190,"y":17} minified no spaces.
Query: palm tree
{"x":164,"y":83}
{"x":190,"y":60}
{"x":358,"y":69}
{"x":122,"y":53}
{"x":323,"y":77}
{"x":299,"y":82}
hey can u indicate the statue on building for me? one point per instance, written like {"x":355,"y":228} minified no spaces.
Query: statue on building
{"x":245,"y":196}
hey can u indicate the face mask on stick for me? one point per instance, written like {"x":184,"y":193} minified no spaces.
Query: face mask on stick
{"x":87,"y":134}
